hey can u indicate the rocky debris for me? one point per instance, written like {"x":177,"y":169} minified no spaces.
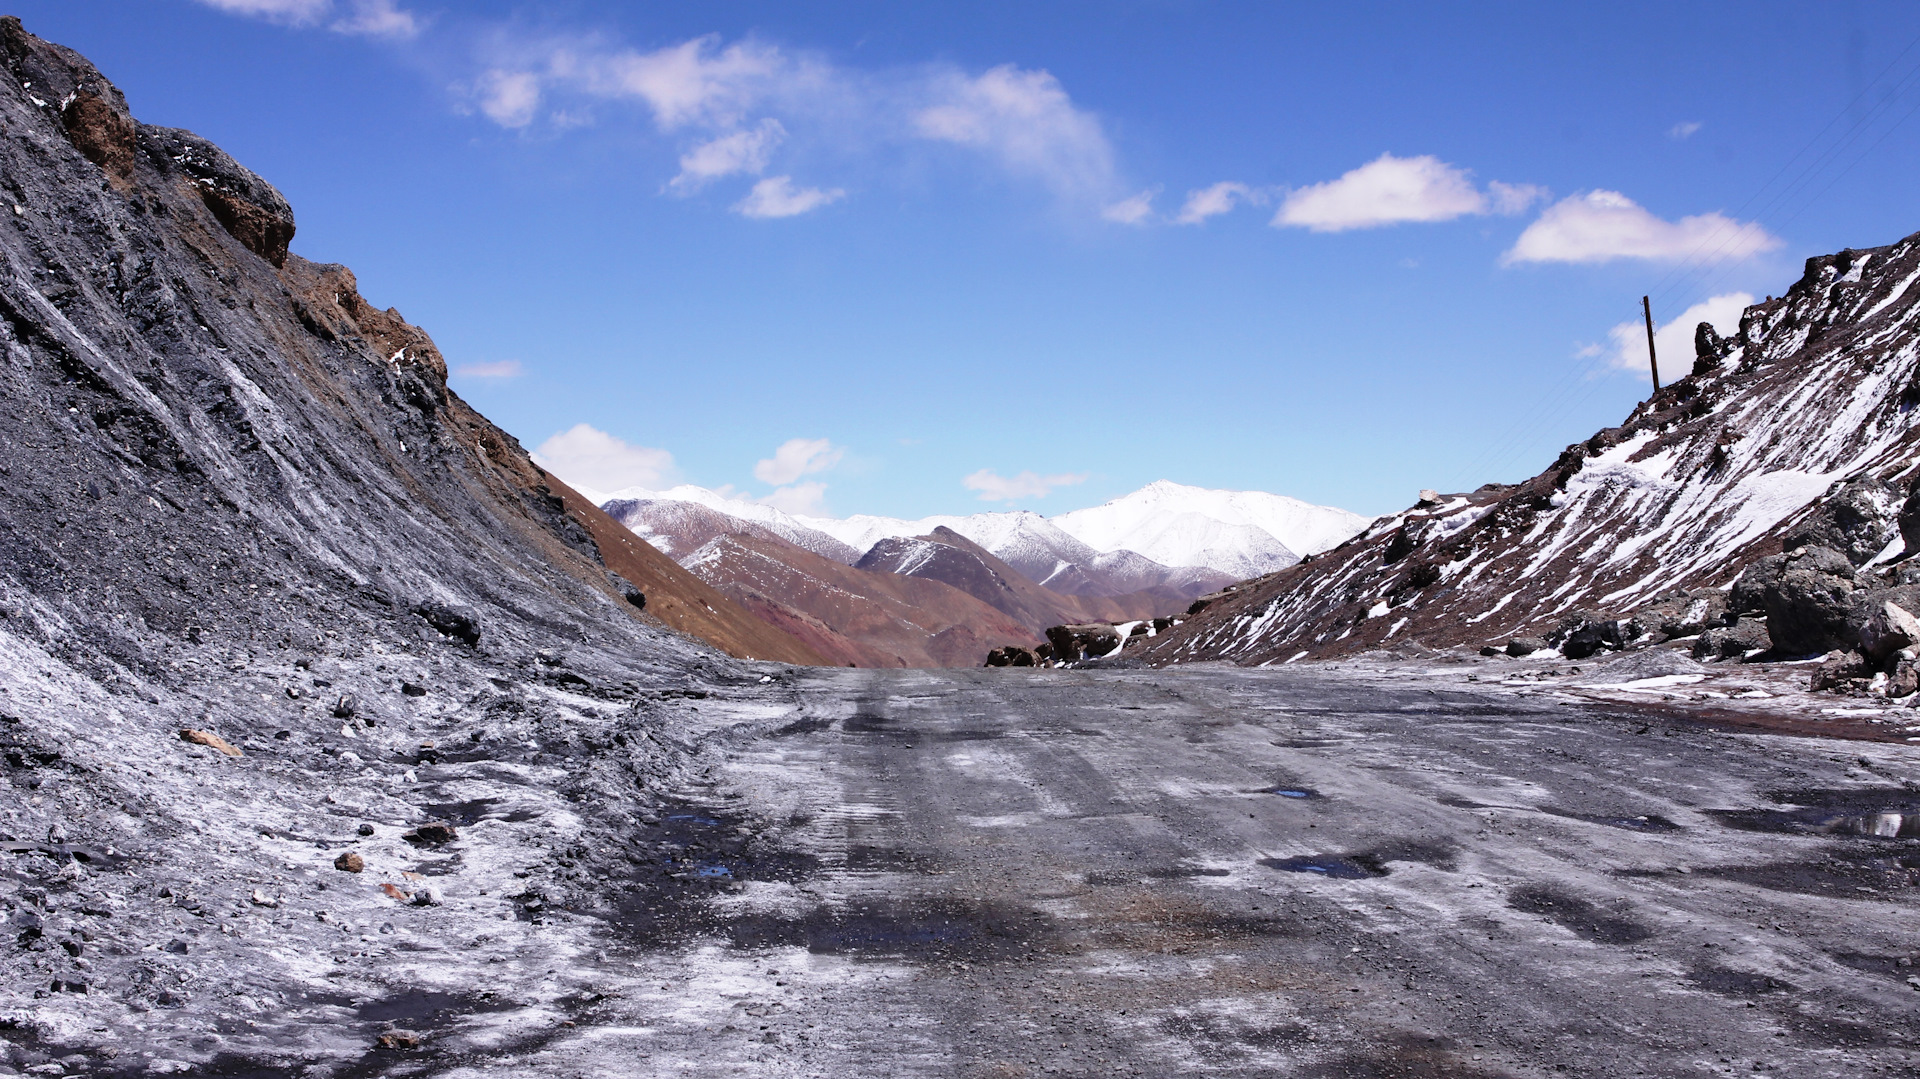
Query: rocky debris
{"x":1685,"y":614}
{"x":1010,"y":656}
{"x":210,"y":740}
{"x":1745,"y":637}
{"x":350,"y":862}
{"x":1858,"y":518}
{"x":1087,"y":641}
{"x":400,"y":1040}
{"x":459,"y":623}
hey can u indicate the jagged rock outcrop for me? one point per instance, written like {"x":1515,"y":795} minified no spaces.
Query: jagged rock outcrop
{"x":1799,"y":430}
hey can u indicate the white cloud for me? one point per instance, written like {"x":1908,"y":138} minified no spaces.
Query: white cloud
{"x":294,"y":12}
{"x":776,"y":196}
{"x":1132,"y":211}
{"x":1025,"y":121}
{"x":798,"y":457}
{"x":1213,"y":201}
{"x":997,"y":488}
{"x":1598,"y":226}
{"x":372,"y":18}
{"x":1390,"y":190}
{"x":496,"y":369}
{"x":695,"y":81}
{"x":510,"y":98}
{"x":1510,"y":199}
{"x":377,"y":18}
{"x":1684,"y":130}
{"x":807,"y":498}
{"x":584,"y":456}
{"x":741,"y":151}
{"x":1673,"y":341}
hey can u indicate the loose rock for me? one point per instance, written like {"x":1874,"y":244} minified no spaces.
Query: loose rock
{"x":210,"y":740}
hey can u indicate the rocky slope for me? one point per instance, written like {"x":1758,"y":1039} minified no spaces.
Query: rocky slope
{"x":1805,"y":420}
{"x":855,"y":617}
{"x":271,"y":595}
{"x":951,"y":558}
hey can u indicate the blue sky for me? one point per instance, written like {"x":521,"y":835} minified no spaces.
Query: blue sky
{"x":943,"y":257}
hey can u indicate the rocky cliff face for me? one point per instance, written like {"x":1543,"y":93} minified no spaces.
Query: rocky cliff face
{"x":1804,"y":420}
{"x":272,"y":595}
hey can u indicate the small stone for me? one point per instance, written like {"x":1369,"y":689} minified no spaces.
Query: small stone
{"x":176,"y":946}
{"x":400,"y":1040}
{"x":262,"y":899}
{"x":426,"y":896}
{"x":413,"y":689}
{"x":1913,"y":980}
{"x":210,"y":740}
{"x":365,"y":829}
{"x":350,"y":863}
{"x":345,"y":707}
{"x":431,"y":834}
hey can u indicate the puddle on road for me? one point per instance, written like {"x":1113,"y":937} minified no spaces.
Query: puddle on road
{"x":1327,"y":865}
{"x":1876,"y":813}
{"x":1301,"y":793}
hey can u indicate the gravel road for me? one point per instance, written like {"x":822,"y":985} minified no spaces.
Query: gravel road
{"x":1309,"y":872}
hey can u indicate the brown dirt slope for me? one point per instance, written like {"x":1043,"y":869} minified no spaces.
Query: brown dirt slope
{"x":863,"y":617}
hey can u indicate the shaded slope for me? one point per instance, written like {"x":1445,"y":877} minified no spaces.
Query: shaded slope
{"x":1819,"y":386}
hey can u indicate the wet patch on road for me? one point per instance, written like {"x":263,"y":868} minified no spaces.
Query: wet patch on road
{"x":1879,"y":813}
{"x":1846,"y":873}
{"x":901,"y":928}
{"x":1648,"y":822}
{"x":1338,"y":867}
{"x":1586,"y":920}
{"x":1735,"y":983}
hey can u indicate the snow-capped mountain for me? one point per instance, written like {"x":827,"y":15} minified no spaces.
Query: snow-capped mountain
{"x":1242,"y":533}
{"x":1164,"y":536}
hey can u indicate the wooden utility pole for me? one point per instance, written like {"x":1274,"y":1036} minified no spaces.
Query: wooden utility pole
{"x":1646,"y":307}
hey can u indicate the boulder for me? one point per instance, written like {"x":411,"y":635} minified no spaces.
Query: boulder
{"x":1888,"y":628}
{"x":1749,"y":592}
{"x":1811,"y":607}
{"x":1905,"y":679}
{"x":1525,"y":646}
{"x":1583,"y":633}
{"x":431,"y":834}
{"x":1010,"y":656}
{"x":1857,"y":518}
{"x":1842,"y":671}
{"x":1909,"y":522}
{"x":1084,"y":641}
{"x":1732,"y":642}
{"x":350,"y":863}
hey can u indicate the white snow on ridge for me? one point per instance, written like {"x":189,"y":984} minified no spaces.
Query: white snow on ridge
{"x":1245,"y":533}
{"x":1160,"y":527}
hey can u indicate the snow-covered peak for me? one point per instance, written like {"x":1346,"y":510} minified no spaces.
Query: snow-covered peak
{"x":1242,"y":532}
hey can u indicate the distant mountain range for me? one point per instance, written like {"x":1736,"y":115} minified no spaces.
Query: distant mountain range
{"x":832,"y":582}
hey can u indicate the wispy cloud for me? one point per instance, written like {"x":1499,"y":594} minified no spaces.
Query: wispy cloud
{"x":994,"y":487}
{"x":585,"y":456}
{"x":1393,"y":190}
{"x":497,"y":369}
{"x":1136,"y":210}
{"x":1673,"y":341}
{"x":1026,"y":122}
{"x":1599,"y":226}
{"x":370,"y":18}
{"x":798,"y":457}
{"x":744,"y":151}
{"x":1213,"y":201}
{"x":776,"y":196}
{"x":1684,"y":130}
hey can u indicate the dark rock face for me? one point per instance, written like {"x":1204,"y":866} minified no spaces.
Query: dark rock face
{"x":1710,"y":350}
{"x":1089,"y":641}
{"x":1749,"y":592}
{"x":1811,"y":607}
{"x":460,"y":623}
{"x":1583,"y":634}
{"x":1858,"y":518}
{"x":1843,"y":671}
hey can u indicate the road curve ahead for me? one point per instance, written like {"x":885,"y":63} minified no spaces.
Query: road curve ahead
{"x":1298,"y":872}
